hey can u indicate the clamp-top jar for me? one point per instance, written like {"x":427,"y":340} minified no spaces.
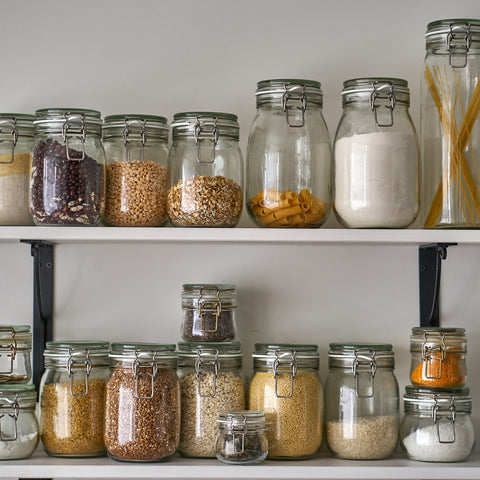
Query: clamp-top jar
{"x":136,"y":174}
{"x":288,"y":156}
{"x":68,"y":169}
{"x":361,"y":401}
{"x":205,"y":170}
{"x":15,"y":353}
{"x":16,"y":146}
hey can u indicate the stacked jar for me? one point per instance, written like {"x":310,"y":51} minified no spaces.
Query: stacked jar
{"x":437,"y":426}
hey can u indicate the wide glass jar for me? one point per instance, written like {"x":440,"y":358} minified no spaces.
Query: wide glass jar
{"x":376,"y":156}
{"x":449,"y":127}
{"x":288,"y":156}
{"x":68,"y":169}
{"x":286,"y":387}
{"x":361,"y":401}
{"x":205,"y":170}
{"x":209,"y":312}
{"x":241,"y":437}
{"x":211,"y":381}
{"x":15,"y":354}
{"x":72,"y":398}
{"x":19,"y":425}
{"x":16,"y":146}
{"x":437,"y":426}
{"x":136,"y":174}
{"x":142,"y":421}
{"x":438,"y":357}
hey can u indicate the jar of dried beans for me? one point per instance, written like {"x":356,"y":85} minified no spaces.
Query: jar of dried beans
{"x":68,"y":169}
{"x":15,"y":354}
{"x":361,"y":401}
{"x":289,"y":156}
{"x":72,"y":398}
{"x":286,"y":387}
{"x":438,"y":357}
{"x":205,"y":170}
{"x":136,"y":173}
{"x":16,"y":145}
{"x":143,"y":403}
{"x":211,"y":381}
{"x":209,"y":312}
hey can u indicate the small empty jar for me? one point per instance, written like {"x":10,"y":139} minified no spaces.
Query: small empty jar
{"x":15,"y":353}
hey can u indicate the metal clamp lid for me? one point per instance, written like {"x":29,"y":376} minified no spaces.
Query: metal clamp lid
{"x":383,"y":95}
{"x":10,"y":348}
{"x":207,"y":305}
{"x":74,"y":125}
{"x":284,"y":358}
{"x":147,"y":367}
{"x":207,"y":362}
{"x":239,"y":423}
{"x":10,"y":124}
{"x":7,"y":405}
{"x":433,"y":357}
{"x":134,"y":126}
{"x":364,"y":365}
{"x":294,"y":98}
{"x":76,"y":360}
{"x":439,"y":412}
{"x":459,"y":39}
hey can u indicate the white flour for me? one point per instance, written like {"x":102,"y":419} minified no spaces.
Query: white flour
{"x":22,"y":447}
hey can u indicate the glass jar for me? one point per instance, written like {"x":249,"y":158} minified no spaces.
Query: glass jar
{"x":15,"y":354}
{"x":211,"y":381}
{"x":205,"y":170}
{"x":361,"y":401}
{"x":19,"y":426}
{"x":72,"y":398}
{"x":209,"y":312}
{"x":68,"y":169}
{"x":438,"y":357}
{"x":450,"y":132}
{"x":376,"y":156}
{"x":143,"y":403}
{"x":241,"y":437}
{"x":289,"y":156}
{"x":16,"y":146}
{"x":136,"y":174}
{"x":437,"y":426}
{"x":286,"y":387}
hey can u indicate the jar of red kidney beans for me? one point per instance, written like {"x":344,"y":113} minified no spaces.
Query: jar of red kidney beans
{"x":68,"y":168}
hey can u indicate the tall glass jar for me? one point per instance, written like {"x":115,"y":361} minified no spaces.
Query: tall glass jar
{"x":286,"y":387}
{"x":136,"y":174}
{"x":205,"y":170}
{"x":288,"y":156}
{"x":19,"y":425}
{"x":142,"y":421}
{"x":376,"y":156}
{"x":211,"y":381}
{"x":16,"y":146}
{"x":361,"y":401}
{"x":449,"y":127}
{"x":68,"y":169}
{"x":15,"y":353}
{"x":437,"y":426}
{"x":72,"y":398}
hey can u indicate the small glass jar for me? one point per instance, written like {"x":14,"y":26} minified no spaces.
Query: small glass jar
{"x":361,"y":401}
{"x":376,"y":156}
{"x":136,"y":173}
{"x":450,"y":137}
{"x":19,"y":425}
{"x":437,"y":426}
{"x":205,"y":170}
{"x":211,"y":381}
{"x":15,"y":354}
{"x":438,"y":357}
{"x":72,"y":398}
{"x":68,"y":169}
{"x":286,"y":387}
{"x":241,"y":437}
{"x":143,"y":403}
{"x":209,"y":312}
{"x":289,"y":156}
{"x":16,"y":146}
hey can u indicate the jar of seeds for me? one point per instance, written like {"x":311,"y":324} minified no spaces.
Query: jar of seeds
{"x":15,"y":354}
{"x":143,"y":403}
{"x":136,"y":155}
{"x":210,"y":381}
{"x":206,"y":170}
{"x":72,"y":398}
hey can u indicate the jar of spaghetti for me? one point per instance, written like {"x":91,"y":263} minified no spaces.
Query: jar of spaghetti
{"x":438,"y":357}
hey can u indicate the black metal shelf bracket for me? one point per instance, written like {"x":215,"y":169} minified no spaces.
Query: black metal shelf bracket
{"x":430,"y":268}
{"x":42,"y":253}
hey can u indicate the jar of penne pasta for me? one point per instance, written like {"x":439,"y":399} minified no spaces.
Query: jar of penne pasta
{"x":288,"y":156}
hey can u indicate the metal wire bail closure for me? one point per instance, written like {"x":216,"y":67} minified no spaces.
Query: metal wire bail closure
{"x":74,"y":125}
{"x":238,"y":430}
{"x":200,"y":129}
{"x":382,"y":92}
{"x":284,"y":358}
{"x":11,"y":349}
{"x":204,"y":306}
{"x":433,"y":357}
{"x":142,"y":367}
{"x":8,"y":407}
{"x":11,"y":125}
{"x":450,"y":419}
{"x":291,"y":95}
{"x":207,"y":361}
{"x":459,"y":41}
{"x":364,"y":358}
{"x":134,"y":126}
{"x":71,"y":371}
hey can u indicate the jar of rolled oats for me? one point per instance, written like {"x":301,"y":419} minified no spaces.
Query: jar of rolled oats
{"x":205,"y":170}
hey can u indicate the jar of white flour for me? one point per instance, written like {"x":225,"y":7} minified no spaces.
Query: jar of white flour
{"x":376,"y":152}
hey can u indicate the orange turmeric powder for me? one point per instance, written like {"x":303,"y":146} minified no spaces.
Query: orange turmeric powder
{"x":446,"y":373}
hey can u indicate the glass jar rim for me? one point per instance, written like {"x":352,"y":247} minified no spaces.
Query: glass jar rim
{"x":47,"y":115}
{"x":221,"y":349}
{"x":20,"y":335}
{"x":248,"y":418}
{"x":367,"y":84}
{"x":441,"y":396}
{"x":196,"y":287}
{"x":438,"y":331}
{"x":127,"y":350}
{"x":279,"y":91}
{"x":346,"y":349}
{"x":19,"y":123}
{"x":22,"y":392}
{"x":438,"y":30}
{"x":64,"y":349}
{"x":267,"y":350}
{"x":119,"y":118}
{"x":130,"y":127}
{"x":208,"y":124}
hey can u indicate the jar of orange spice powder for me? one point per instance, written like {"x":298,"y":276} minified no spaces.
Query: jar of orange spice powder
{"x":438,"y":357}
